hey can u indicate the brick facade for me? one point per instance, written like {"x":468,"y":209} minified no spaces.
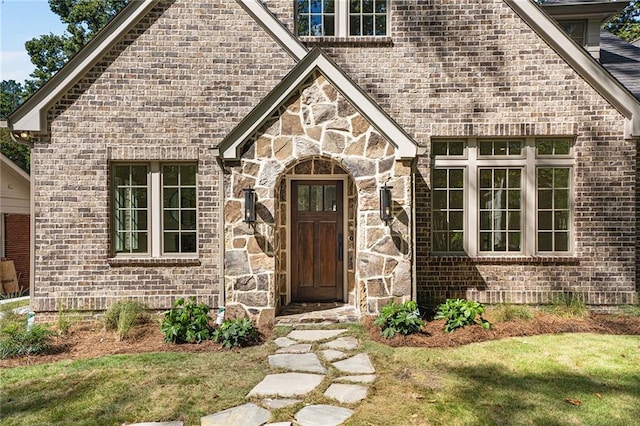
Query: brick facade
{"x":190,"y":71}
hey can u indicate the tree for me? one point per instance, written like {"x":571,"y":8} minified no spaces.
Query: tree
{"x":626,"y":24}
{"x":84,"y":18}
{"x":11,"y":96}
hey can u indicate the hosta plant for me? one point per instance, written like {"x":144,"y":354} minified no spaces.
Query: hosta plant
{"x":459,"y":313}
{"x":403,"y":318}
{"x":236,"y":332}
{"x":187,"y":322}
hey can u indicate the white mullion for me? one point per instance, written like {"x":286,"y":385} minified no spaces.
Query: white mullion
{"x":342,"y":18}
{"x":154,"y":226}
{"x":530,"y":195}
{"x":472,"y":217}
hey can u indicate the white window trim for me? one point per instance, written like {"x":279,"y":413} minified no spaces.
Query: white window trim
{"x":529,"y":162}
{"x":342,"y":22}
{"x":154,"y":214}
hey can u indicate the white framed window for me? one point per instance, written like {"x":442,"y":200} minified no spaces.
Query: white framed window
{"x":342,"y":18}
{"x":498,"y":196}
{"x":154,"y":209}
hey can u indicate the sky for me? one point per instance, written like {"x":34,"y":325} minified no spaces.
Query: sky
{"x":20,"y":21}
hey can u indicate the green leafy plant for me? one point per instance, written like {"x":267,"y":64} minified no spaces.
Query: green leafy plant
{"x":459,"y":313}
{"x":236,"y":332}
{"x":123,"y":316}
{"x":16,"y":339}
{"x":186,"y":322}
{"x":403,"y":318}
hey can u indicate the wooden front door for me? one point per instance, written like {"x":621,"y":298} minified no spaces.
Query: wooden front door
{"x":317,"y":240}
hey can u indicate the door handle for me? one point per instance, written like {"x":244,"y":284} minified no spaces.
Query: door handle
{"x":340,"y":247}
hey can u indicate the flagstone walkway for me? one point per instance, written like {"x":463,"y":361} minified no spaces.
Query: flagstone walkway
{"x":306,"y":358}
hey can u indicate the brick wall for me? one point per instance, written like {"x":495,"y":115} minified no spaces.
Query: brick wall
{"x":453,"y":68}
{"x":190,"y":71}
{"x":17,"y":245}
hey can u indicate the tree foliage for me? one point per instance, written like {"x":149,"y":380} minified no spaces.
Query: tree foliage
{"x":84,"y":18}
{"x":12,"y":94}
{"x":626,"y":24}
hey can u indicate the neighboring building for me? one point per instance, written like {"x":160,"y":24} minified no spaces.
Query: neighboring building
{"x":15,"y":218}
{"x":510,"y":152}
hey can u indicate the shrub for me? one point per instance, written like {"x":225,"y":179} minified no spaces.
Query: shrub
{"x":507,"y":312}
{"x":186,"y":322}
{"x":569,"y":305}
{"x":123,"y":316}
{"x":16,"y":340}
{"x":460,"y":313}
{"x":401,"y":318}
{"x":236,"y":332}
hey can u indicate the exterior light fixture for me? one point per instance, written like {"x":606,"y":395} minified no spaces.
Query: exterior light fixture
{"x":385,"y":204}
{"x":249,"y":205}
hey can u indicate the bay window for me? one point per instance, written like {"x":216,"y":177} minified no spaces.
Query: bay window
{"x":501,"y":196}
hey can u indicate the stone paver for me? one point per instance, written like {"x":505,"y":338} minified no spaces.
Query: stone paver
{"x":274,"y":404}
{"x":357,"y":364}
{"x":308,"y":363}
{"x":248,"y":414}
{"x":287,"y":385}
{"x":365,"y":378}
{"x":314,"y":335}
{"x":346,"y":343}
{"x":332,"y":354}
{"x":176,"y":423}
{"x":283,"y":342}
{"x":299,"y":348}
{"x":346,"y":394}
{"x":323,"y":415}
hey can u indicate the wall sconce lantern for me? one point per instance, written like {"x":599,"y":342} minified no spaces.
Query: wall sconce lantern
{"x":249,"y":205}
{"x":385,"y":204}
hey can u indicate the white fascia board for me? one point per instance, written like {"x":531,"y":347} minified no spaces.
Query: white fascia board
{"x":580,"y":60}
{"x":275,"y":28}
{"x":31,"y":116}
{"x":406,"y":148}
{"x":13,"y":166}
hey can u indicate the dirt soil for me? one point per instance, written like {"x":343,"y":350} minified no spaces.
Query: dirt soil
{"x":91,"y":340}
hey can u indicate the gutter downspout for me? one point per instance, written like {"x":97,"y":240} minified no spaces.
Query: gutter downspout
{"x":221,"y":237}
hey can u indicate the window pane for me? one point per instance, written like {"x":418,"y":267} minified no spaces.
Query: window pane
{"x":561,"y":178}
{"x":316,"y":6}
{"x":189,"y":244}
{"x":545,"y":241}
{"x":515,"y":148}
{"x":354,"y":6}
{"x":381,"y":25}
{"x":188,"y":175}
{"x":545,"y":147}
{"x":440,"y":178}
{"x":545,"y":220}
{"x":171,"y":198}
{"x":188,"y":220}
{"x":367,"y":6}
{"x":303,"y":6}
{"x":329,"y":26}
{"x":354,"y":25}
{"x":440,"y":199}
{"x":303,"y":25}
{"x":514,"y":221}
{"x":456,"y":242}
{"x":545,"y":200}
{"x":545,"y":178}
{"x":456,"y":220}
{"x":171,"y":220}
{"x":188,"y":198}
{"x":562,"y":147}
{"x":514,"y":241}
{"x":316,"y":193}
{"x":486,"y":178}
{"x":554,"y":215}
{"x":456,"y":199}
{"x":486,"y":240}
{"x":561,"y":241}
{"x":139,"y":175}
{"x":316,"y":25}
{"x":440,"y":241}
{"x":367,"y":25}
{"x":130,"y":215}
{"x":561,"y":199}
{"x":172,"y":242}
{"x":329,"y":6}
{"x":486,"y":148}
{"x":121,"y":175}
{"x":330,"y":198}
{"x":139,"y":242}
{"x":139,"y":220}
{"x":448,"y":210}
{"x":456,"y":178}
{"x":514,"y":199}
{"x":381,"y":6}
{"x":500,"y":205}
{"x":456,"y":148}
{"x":561,"y":220}
{"x":170,"y":175}
{"x":303,"y":198}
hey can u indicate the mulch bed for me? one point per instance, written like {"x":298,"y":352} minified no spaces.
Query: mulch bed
{"x":91,"y":340}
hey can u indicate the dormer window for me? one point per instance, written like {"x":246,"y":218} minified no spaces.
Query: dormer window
{"x":576,"y":29}
{"x":342,"y":18}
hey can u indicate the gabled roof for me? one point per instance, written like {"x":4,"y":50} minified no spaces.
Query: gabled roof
{"x":31,"y":115}
{"x":316,"y":60}
{"x":583,"y":63}
{"x":6,"y":162}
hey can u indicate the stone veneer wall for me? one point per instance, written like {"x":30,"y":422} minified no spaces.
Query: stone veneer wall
{"x":317,"y":132}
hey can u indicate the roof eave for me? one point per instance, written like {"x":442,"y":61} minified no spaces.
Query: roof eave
{"x":31,"y":115}
{"x":584,"y":64}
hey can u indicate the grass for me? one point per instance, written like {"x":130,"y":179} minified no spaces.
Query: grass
{"x":512,"y":381}
{"x":15,"y":304}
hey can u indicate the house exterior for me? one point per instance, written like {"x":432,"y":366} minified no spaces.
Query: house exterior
{"x":508,"y":151}
{"x":15,"y":219}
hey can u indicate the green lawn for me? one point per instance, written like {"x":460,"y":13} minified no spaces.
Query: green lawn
{"x":512,"y":381}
